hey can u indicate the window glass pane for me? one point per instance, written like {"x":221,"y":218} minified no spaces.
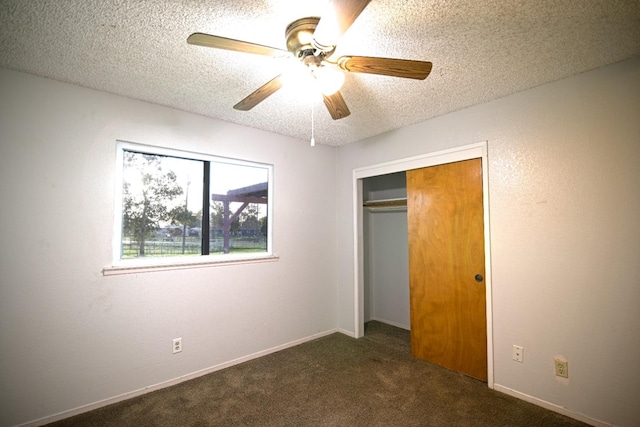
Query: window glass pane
{"x":238,"y":214}
{"x":161,"y":206}
{"x":175,"y":206}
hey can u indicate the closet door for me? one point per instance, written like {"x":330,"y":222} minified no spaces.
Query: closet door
{"x":446,"y":266}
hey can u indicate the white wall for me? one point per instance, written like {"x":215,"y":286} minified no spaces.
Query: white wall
{"x":386,"y":266}
{"x":389,"y":186}
{"x":565,"y":224}
{"x":70,"y":336}
{"x":564,"y":170}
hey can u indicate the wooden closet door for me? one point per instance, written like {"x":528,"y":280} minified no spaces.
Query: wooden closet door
{"x":446,"y":266}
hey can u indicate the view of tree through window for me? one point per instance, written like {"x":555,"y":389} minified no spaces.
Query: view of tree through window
{"x":164,"y":197}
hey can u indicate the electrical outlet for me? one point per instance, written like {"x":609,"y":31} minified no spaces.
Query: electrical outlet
{"x":177,"y":345}
{"x":562,"y":368}
{"x":518,"y":353}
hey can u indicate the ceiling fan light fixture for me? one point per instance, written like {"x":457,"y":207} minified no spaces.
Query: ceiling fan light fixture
{"x":311,"y":44}
{"x":295,"y":74}
{"x":329,"y":80}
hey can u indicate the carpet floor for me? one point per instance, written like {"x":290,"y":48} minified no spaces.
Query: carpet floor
{"x":331,"y":381}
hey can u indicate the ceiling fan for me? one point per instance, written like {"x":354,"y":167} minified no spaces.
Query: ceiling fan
{"x":313,"y":41}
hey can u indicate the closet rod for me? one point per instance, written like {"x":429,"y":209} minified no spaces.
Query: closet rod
{"x":385,"y":203}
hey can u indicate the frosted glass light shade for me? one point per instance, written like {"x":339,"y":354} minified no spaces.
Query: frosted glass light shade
{"x":329,"y":80}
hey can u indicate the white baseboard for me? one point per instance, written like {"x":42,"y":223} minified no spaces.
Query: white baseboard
{"x":346,"y":332}
{"x":129,"y":395}
{"x":551,"y":406}
{"x":115,"y":399}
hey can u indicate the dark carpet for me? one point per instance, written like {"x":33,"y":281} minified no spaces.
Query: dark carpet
{"x":332,"y":381}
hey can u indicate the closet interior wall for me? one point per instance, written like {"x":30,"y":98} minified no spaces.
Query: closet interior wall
{"x":386,"y":253}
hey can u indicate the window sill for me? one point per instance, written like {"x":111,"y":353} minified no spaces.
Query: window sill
{"x":134,"y":268}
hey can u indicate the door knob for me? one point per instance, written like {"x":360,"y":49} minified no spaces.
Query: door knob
{"x":479,"y":278}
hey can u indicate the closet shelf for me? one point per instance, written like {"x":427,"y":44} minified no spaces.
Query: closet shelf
{"x":385,"y":203}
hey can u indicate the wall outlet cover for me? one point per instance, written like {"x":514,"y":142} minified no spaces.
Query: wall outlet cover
{"x":177,"y":345}
{"x":518,"y":353}
{"x":562,"y":368}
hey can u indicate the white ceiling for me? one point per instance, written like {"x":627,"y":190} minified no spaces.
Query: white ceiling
{"x":480,"y":49}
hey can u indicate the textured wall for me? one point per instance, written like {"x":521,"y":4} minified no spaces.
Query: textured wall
{"x":565,"y":224}
{"x":70,"y":336}
{"x":565,"y":233}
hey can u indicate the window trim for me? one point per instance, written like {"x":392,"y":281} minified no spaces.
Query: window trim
{"x":195,"y":263}
{"x":136,"y":265}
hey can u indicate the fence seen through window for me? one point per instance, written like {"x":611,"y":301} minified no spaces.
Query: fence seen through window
{"x":178,"y":206}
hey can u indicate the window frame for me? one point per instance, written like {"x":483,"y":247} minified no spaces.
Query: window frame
{"x":135,"y":265}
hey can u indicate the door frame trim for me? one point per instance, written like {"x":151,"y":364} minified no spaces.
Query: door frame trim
{"x":465,"y":152}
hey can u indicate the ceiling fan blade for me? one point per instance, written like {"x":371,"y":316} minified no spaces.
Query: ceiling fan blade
{"x":208,"y":40}
{"x":336,"y":20}
{"x":260,"y":94}
{"x":336,"y":106}
{"x":386,"y":66}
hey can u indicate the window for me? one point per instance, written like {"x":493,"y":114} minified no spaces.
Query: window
{"x":175,"y":207}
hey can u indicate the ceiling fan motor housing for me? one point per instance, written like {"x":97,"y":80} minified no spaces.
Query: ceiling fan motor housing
{"x":299,"y":38}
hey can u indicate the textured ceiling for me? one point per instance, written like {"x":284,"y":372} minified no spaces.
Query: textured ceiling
{"x":480,"y":49}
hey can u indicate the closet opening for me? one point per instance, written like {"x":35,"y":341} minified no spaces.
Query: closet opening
{"x":379,"y":202}
{"x":385,"y":247}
